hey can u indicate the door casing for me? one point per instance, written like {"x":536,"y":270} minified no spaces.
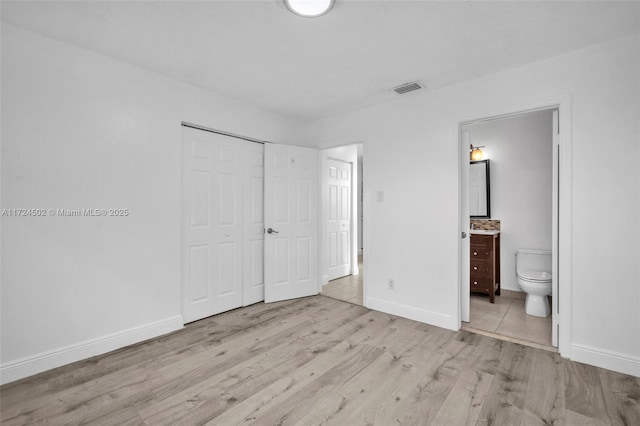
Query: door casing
{"x":562,"y":213}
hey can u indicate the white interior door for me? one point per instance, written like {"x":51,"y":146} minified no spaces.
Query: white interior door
{"x":339,"y":218}
{"x":465,"y":298}
{"x":215,"y":169}
{"x":253,"y":243}
{"x":291,"y":219}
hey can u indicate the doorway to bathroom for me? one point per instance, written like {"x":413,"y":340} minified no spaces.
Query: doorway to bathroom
{"x":522,"y":152}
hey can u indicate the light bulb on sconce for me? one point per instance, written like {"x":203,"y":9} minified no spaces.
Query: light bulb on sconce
{"x":476,"y":152}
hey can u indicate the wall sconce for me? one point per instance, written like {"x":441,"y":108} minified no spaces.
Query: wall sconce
{"x":309,"y":8}
{"x":476,"y":152}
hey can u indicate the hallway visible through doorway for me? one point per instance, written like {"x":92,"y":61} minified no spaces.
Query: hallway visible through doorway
{"x":347,"y":289}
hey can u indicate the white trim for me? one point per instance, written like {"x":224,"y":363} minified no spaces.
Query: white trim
{"x":28,"y":366}
{"x":355,"y":271}
{"x":622,"y":363}
{"x":564,"y":283}
{"x":422,"y":315}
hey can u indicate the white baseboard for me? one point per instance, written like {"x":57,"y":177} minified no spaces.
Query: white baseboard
{"x":355,"y":271}
{"x":412,"y":313}
{"x":622,"y":363}
{"x":28,"y":366}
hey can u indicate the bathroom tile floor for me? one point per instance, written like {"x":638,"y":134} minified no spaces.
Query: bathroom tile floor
{"x":507,"y":318}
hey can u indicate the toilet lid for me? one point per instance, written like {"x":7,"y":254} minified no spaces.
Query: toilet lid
{"x":536,"y":275}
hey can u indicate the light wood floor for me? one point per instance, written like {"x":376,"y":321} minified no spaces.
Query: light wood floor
{"x":319,"y":361}
{"x":505,"y":319}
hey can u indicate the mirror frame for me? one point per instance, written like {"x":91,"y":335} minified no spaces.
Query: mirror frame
{"x":488,"y":189}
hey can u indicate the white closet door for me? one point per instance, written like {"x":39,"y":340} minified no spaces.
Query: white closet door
{"x":213,"y":213}
{"x":253,"y":261}
{"x":339,"y":218}
{"x":291,"y":213}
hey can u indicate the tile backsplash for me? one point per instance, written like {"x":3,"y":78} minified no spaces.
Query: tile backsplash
{"x":490,"y":224}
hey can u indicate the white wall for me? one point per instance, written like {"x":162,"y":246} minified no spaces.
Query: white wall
{"x":81,"y":130}
{"x":520,"y":152}
{"x":412,"y":155}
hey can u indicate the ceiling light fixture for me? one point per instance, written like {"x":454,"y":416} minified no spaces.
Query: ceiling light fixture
{"x":309,"y":8}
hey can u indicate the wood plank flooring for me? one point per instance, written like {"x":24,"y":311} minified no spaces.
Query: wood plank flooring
{"x":319,"y":361}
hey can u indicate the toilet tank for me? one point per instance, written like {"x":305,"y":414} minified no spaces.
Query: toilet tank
{"x":533,"y":260}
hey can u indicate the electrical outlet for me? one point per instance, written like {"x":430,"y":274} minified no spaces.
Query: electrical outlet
{"x":392,"y":285}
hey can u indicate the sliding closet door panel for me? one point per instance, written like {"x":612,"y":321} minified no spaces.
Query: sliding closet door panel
{"x":222,"y":223}
{"x":228,"y":163}
{"x":198,"y":296}
{"x":253,"y":264}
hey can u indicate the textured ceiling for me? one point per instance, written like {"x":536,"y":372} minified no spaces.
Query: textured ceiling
{"x":307,"y":69}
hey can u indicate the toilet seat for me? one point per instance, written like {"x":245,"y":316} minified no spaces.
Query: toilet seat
{"x":535,"y":276}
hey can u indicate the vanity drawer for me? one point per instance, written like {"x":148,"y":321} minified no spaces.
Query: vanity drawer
{"x":481,"y":284}
{"x":480,"y":268}
{"x":480,"y":251}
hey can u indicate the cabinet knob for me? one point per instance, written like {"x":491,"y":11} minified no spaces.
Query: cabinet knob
{"x":475,"y":253}
{"x":475,"y":268}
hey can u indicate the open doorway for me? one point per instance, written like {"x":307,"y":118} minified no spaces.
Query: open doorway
{"x":341,"y":224}
{"x":520,"y":150}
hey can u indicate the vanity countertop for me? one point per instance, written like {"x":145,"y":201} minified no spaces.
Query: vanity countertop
{"x":484,"y":231}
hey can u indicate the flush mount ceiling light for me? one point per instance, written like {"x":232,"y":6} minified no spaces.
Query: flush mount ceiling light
{"x":309,"y":8}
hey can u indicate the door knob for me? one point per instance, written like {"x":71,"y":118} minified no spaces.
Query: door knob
{"x":272,"y":231}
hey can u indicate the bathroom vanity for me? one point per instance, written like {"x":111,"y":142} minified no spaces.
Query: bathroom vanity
{"x":485,"y":263}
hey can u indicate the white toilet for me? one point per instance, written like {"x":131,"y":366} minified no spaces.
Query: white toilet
{"x":533,"y":270}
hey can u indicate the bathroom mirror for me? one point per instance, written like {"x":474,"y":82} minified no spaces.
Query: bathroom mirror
{"x":479,"y":194}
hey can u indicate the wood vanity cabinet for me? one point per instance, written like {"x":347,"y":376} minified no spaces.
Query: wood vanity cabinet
{"x":485,"y":265}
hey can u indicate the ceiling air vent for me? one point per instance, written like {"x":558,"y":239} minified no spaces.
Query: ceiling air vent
{"x":407,"y":87}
